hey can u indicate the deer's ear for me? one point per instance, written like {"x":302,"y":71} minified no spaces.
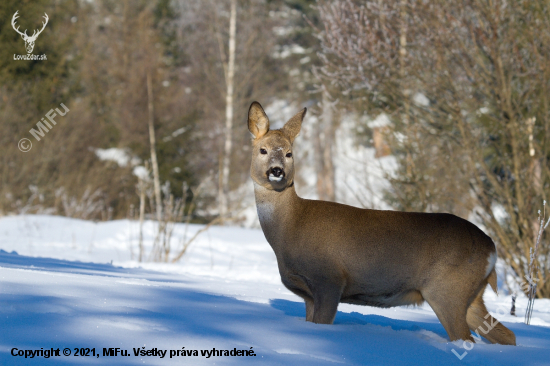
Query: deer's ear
{"x":293,"y":126}
{"x":258,"y":123}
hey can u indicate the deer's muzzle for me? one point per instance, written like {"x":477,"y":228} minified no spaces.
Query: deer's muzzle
{"x":275,"y":174}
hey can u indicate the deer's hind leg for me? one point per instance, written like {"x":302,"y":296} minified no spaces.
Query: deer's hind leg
{"x":450,"y":308}
{"x":480,"y":321}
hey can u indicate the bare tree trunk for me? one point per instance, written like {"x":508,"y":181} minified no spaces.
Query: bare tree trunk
{"x":154,"y":162}
{"x":402,"y":74}
{"x":224,"y":189}
{"x":403,"y":48}
{"x":324,"y":141}
{"x":141,"y":188}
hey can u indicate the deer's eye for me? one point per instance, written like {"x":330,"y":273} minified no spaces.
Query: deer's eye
{"x":263,"y":151}
{"x":288,"y":155}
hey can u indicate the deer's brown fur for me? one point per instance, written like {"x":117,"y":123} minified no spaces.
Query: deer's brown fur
{"x":329,"y":253}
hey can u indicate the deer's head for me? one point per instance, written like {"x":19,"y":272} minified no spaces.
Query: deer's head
{"x":29,"y":40}
{"x":272,"y":160}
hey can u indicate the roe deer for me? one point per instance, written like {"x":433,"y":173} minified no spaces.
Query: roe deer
{"x":329,"y":253}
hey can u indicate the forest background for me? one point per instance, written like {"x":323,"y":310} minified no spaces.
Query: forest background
{"x":448,"y":102}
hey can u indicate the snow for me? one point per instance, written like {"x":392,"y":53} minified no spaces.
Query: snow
{"x":141,"y":172}
{"x":421,"y":100}
{"x":177,"y":132}
{"x":76,"y":284}
{"x":361,"y":178}
{"x":288,"y":50}
{"x":382,"y":120}
{"x":120,"y":156}
{"x":279,"y":112}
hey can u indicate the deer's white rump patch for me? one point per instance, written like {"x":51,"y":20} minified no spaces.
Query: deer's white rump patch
{"x":491,"y":263}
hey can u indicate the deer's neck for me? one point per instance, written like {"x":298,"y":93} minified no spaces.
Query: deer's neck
{"x":276,"y":211}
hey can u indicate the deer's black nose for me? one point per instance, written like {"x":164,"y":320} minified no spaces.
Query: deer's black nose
{"x":277,"y":172}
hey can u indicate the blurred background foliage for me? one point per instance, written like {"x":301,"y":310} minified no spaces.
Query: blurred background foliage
{"x":453,"y":97}
{"x":98,"y":56}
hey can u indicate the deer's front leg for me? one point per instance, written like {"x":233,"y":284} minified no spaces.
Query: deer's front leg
{"x":309,"y":309}
{"x":326,"y":301}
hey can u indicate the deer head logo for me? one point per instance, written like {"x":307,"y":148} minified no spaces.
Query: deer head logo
{"x":29,"y":40}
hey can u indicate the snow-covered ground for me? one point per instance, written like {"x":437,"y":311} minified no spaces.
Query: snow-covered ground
{"x":72,"y":284}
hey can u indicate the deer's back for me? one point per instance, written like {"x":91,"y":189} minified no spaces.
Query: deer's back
{"x":361,"y":246}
